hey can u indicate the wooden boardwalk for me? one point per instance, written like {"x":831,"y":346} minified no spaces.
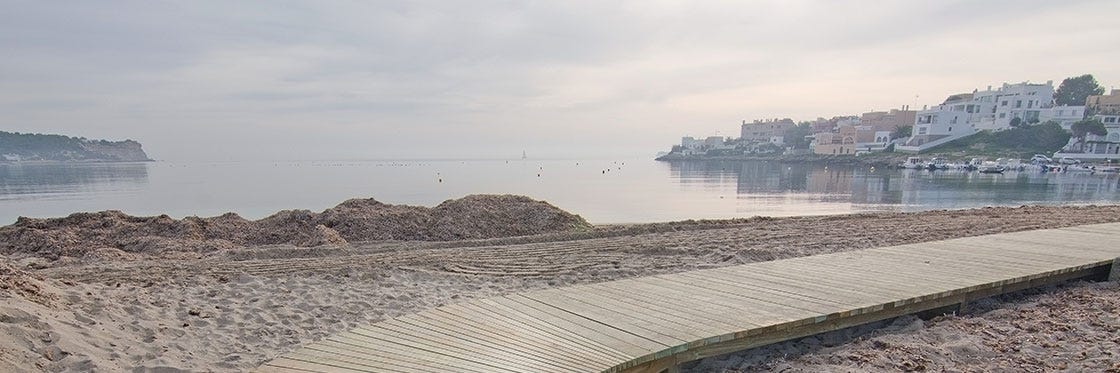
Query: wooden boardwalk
{"x":651,"y":324}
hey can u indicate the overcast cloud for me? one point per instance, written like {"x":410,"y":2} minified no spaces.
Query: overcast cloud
{"x":217,"y":80}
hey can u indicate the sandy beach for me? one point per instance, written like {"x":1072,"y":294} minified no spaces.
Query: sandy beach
{"x":234,"y":305}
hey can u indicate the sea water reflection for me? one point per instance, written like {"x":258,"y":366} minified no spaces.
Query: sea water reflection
{"x":602,"y":191}
{"x":69,"y":180}
{"x":867,"y":188}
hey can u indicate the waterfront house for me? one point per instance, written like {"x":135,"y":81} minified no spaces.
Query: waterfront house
{"x":1064,"y":115}
{"x":1104,"y":104}
{"x":1095,"y":147}
{"x":889,"y":120}
{"x":694,"y":146}
{"x":764,"y":130}
{"x":851,"y":140}
{"x":964,"y":114}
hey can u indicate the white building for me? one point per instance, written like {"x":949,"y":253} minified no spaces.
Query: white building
{"x":1024,"y":100}
{"x":1096,"y":146}
{"x":1064,"y":115}
{"x":964,"y":114}
{"x":1108,"y":119}
{"x":957,"y":117}
{"x":694,"y":146}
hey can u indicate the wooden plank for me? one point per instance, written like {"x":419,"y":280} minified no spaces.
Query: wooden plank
{"x":1046,"y":244}
{"x":722,"y":284}
{"x":266,"y":368}
{"x":619,"y":314}
{"x":328,"y":360}
{"x":640,"y":300}
{"x":800,"y":285}
{"x":979,"y":256}
{"x":451,"y":347}
{"x":327,"y":351}
{"x":820,"y":273}
{"x":592,"y":337}
{"x":549,"y":334}
{"x":453,"y":337}
{"x":516,"y":338}
{"x":726,"y":306}
{"x":1020,"y":258}
{"x":1043,"y":248}
{"x":300,"y":364}
{"x":593,"y":329}
{"x":412,"y":358}
{"x":652,"y":323}
{"x":388,"y":349}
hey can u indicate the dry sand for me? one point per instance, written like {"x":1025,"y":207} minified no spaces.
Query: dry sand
{"x":232,"y":309}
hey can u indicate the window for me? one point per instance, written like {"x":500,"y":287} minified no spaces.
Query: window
{"x":950,"y":129}
{"x":1004,"y":103}
{"x":1018,"y":103}
{"x":1030,"y":104}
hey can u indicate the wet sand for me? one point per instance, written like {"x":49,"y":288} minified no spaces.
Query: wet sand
{"x":232,"y":309}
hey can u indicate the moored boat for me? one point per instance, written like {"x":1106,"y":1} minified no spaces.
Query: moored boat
{"x":989,"y":167}
{"x":913,"y":163}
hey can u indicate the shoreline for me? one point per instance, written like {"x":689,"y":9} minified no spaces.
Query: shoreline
{"x":233,"y":309}
{"x":872,"y":160}
{"x":53,"y":162}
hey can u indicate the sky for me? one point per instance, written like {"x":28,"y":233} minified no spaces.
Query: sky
{"x":298,"y":80}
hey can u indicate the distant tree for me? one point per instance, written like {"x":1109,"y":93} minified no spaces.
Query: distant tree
{"x":1074,"y":90}
{"x":795,"y":136}
{"x":902,"y":132}
{"x":1088,"y":126}
{"x":1016,"y":121}
{"x":769,"y":148}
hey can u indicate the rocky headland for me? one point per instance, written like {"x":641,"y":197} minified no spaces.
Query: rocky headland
{"x":26,"y":147}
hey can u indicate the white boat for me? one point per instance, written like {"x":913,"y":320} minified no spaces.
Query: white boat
{"x":973,"y":164}
{"x":913,"y":163}
{"x":989,"y":167}
{"x":936,"y":164}
{"x":1078,"y":168}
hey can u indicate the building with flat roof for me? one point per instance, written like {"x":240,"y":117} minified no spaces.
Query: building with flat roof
{"x":964,"y":114}
{"x":889,"y":120}
{"x":763,"y":130}
{"x":1104,"y":104}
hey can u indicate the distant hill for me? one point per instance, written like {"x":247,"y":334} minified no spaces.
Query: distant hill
{"x":16,"y":146}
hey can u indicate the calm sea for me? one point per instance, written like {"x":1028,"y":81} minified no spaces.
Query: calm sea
{"x":603,"y":191}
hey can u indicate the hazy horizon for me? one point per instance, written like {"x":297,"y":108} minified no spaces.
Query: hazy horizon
{"x":306,"y":80}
